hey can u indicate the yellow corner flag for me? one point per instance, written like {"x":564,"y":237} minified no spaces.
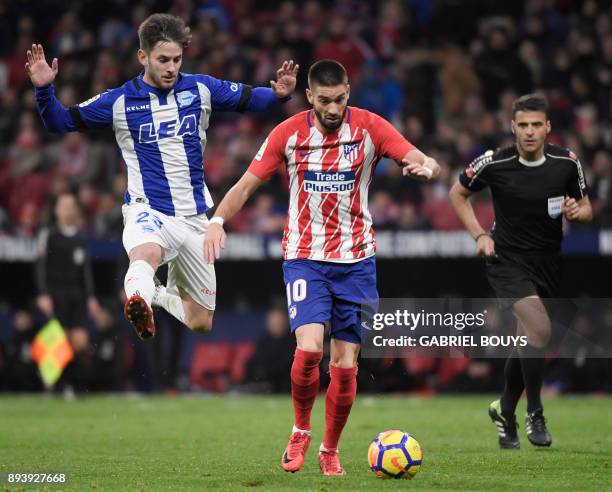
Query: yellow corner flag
{"x":51,"y":351}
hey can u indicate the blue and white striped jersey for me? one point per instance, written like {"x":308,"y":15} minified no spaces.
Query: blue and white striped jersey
{"x":162,"y":135}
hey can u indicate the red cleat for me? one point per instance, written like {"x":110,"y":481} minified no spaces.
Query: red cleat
{"x":295,"y":452}
{"x":140,"y":316}
{"x":329,"y":462}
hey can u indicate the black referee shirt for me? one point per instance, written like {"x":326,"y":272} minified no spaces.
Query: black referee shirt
{"x":63,"y":264}
{"x":527,"y":196}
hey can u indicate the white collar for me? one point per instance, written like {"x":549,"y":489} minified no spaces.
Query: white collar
{"x":69,"y":230}
{"x":537,"y":163}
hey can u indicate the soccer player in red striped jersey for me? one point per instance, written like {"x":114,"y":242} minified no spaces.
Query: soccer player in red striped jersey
{"x":329,"y":153}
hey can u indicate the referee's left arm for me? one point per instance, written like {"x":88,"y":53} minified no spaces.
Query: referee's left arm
{"x":578,"y":210}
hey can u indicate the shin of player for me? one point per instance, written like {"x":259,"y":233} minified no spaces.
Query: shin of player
{"x":329,"y":270}
{"x":534,"y":185}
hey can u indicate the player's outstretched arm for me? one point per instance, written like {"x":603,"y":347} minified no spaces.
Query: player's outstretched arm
{"x":459,"y":197}
{"x":286,"y":79}
{"x":39,"y":71}
{"x":232,"y":202}
{"x":420,"y":167}
{"x":264,"y":98}
{"x":55,"y":117}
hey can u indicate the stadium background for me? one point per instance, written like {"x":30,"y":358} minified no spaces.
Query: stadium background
{"x":444,"y":72}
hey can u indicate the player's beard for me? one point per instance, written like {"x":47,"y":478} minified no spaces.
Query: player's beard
{"x":329,"y":126}
{"x":160,"y":82}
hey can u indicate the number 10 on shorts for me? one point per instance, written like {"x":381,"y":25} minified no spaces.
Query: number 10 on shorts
{"x":296,"y":291}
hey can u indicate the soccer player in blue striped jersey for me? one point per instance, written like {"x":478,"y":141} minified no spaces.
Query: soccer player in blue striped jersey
{"x":160,"y":120}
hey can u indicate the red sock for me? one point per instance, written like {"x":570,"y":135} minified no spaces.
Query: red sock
{"x":338,"y":402}
{"x":304,"y":385}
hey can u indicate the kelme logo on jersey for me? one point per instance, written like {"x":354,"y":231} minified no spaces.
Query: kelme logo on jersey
{"x":329,"y":182}
{"x":166,"y":129}
{"x":185,"y":98}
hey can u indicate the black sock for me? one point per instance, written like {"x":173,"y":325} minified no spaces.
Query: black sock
{"x":532,"y":365}
{"x":513,"y":385}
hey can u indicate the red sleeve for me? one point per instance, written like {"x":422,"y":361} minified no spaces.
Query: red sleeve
{"x":387,"y":140}
{"x":270,"y":155}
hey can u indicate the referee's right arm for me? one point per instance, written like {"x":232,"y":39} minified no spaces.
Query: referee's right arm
{"x":459,"y":196}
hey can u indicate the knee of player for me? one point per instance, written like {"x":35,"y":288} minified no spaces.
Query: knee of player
{"x":544,"y":331}
{"x":310,"y":345}
{"x":539,"y":336}
{"x":201,"y":323}
{"x":343,"y":359}
{"x":343,"y":362}
{"x":150,"y":253}
{"x":541,"y":339}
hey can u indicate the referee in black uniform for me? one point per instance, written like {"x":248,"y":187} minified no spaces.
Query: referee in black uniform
{"x":533,"y":184}
{"x":63,"y":270}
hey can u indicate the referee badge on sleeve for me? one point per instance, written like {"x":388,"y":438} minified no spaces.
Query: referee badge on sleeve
{"x":555,"y":205}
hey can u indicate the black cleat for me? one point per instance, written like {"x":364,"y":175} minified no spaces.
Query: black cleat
{"x":537,"y":433}
{"x":506,"y":428}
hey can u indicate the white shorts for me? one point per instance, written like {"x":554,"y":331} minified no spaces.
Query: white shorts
{"x":182,"y":240}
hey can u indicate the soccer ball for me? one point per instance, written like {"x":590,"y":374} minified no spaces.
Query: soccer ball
{"x":395,"y":454}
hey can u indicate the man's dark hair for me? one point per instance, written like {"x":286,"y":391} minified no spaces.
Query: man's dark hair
{"x":163,"y":27}
{"x":530,"y":102}
{"x":327,"y":73}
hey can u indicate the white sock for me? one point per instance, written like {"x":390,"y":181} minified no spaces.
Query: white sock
{"x":139,"y":280}
{"x":301,"y":431}
{"x":323,"y":449}
{"x":170,"y":302}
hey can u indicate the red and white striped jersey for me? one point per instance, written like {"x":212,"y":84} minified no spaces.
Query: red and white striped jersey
{"x":329,"y":177}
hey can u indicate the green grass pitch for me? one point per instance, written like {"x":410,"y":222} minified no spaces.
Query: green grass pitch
{"x":235,"y":443}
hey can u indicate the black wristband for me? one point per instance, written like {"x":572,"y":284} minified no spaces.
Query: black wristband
{"x":480,"y":235}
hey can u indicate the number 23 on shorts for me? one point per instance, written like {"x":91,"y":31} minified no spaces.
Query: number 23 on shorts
{"x":296,"y":291}
{"x":144,"y":217}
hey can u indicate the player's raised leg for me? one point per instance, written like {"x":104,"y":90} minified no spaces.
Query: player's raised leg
{"x":192,"y":284}
{"x":338,"y":402}
{"x":140,"y":287}
{"x":197,"y":317}
{"x":171,"y":303}
{"x":304,"y":390}
{"x":183,"y":307}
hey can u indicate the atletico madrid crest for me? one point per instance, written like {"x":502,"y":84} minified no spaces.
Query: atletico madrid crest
{"x":351,"y":151}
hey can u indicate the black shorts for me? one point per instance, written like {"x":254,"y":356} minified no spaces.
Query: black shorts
{"x":514,"y":276}
{"x":70,"y":309}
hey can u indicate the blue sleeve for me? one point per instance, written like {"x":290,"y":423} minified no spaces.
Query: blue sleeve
{"x":234,"y":96}
{"x":55,"y":117}
{"x":263,"y":98}
{"x":96,"y":112}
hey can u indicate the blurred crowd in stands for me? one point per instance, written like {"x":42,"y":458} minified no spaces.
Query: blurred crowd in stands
{"x":443,"y":72}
